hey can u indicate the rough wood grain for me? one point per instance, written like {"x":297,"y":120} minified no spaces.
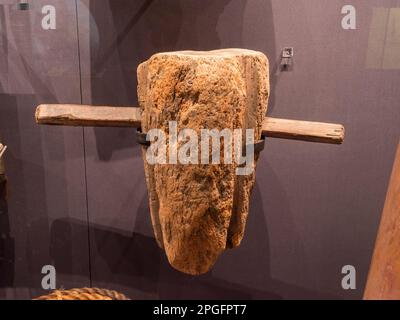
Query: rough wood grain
{"x":384,"y":276}
{"x":83,"y":115}
{"x":200,"y":210}
{"x":77,"y":115}
{"x":303,"y":130}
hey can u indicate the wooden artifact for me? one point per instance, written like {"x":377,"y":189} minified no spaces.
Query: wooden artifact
{"x":97,"y":116}
{"x":384,"y":275}
{"x":80,"y":115}
{"x":198,"y":210}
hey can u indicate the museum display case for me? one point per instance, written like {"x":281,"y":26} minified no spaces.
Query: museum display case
{"x":109,"y":191}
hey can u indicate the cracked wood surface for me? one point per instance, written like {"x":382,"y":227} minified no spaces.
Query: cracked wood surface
{"x":105,"y":116}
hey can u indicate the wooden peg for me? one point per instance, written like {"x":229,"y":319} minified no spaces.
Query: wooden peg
{"x":105,"y":116}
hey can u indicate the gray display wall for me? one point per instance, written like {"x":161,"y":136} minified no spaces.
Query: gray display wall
{"x":44,"y":165}
{"x":77,"y":197}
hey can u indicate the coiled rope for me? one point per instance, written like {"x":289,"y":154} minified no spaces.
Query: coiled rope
{"x":84,"y":294}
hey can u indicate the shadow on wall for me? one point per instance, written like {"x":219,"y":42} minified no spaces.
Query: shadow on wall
{"x":134,"y":264}
{"x":26,"y":210}
{"x":136,"y":261}
{"x":30,"y":230}
{"x":141,"y":28}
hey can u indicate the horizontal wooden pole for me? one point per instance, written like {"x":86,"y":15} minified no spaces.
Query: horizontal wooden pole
{"x":90,"y":116}
{"x":303,"y":130}
{"x":100,"y":116}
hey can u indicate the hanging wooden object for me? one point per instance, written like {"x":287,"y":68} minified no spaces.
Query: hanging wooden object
{"x":198,"y":210}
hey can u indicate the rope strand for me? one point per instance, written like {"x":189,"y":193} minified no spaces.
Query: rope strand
{"x":84,"y":294}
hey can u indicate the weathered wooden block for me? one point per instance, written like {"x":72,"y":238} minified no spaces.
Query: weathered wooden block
{"x":199,"y":210}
